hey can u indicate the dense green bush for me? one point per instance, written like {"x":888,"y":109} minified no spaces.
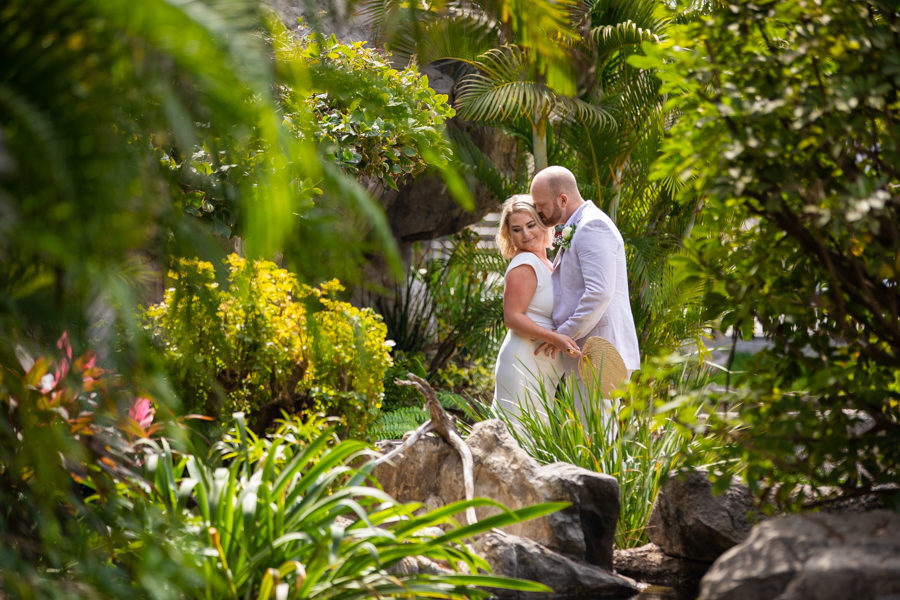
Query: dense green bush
{"x":344,"y":106}
{"x":370,"y":118}
{"x":791,"y":137}
{"x":265,"y":343}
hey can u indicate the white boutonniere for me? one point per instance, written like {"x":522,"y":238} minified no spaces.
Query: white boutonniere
{"x":563,"y":238}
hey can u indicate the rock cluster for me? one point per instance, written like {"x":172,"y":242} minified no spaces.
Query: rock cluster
{"x":741,"y":555}
{"x":723,"y":539}
{"x":819,"y":555}
{"x":569,"y":550}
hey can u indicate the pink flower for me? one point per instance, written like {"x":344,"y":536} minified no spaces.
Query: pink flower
{"x":49,"y":382}
{"x":142,"y":412}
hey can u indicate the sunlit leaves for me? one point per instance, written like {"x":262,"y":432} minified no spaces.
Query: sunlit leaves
{"x":793,"y":142}
{"x":373,"y":120}
{"x":266,"y":339}
{"x":304,"y":515}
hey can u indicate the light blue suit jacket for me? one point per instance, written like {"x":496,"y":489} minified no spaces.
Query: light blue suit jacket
{"x":590,"y":285}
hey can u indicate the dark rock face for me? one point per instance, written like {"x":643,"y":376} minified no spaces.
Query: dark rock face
{"x":523,"y":558}
{"x":424,"y":209}
{"x":688,"y":521}
{"x":821,"y":556}
{"x":650,"y":564}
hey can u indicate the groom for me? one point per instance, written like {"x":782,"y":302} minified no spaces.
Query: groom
{"x":590,"y":283}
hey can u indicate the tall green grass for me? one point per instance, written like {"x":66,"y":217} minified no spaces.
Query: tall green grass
{"x":651,"y":439}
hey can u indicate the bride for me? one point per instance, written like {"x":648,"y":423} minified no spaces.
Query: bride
{"x":520,"y":375}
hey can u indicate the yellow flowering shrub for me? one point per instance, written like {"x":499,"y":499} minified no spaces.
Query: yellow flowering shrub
{"x":266,"y":343}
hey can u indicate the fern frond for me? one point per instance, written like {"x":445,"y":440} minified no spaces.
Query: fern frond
{"x":452,"y":401}
{"x":394,"y":424}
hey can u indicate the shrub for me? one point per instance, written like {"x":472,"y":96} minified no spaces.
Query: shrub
{"x":266,"y":343}
{"x":792,"y":142}
{"x":371,"y":119}
{"x":71,"y":432}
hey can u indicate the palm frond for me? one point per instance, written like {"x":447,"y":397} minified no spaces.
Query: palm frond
{"x":462,"y":36}
{"x":484,"y":99}
{"x":477,"y":258}
{"x":480,"y":165}
{"x":586,"y":113}
{"x":503,"y":87}
{"x":613,"y":38}
{"x":644,"y":13}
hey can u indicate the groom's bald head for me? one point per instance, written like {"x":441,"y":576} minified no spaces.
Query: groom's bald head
{"x":558,"y":180}
{"x":555,"y":194}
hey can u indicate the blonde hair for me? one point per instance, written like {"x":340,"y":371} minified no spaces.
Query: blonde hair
{"x":514,"y":204}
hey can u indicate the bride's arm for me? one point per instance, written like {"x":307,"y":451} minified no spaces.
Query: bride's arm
{"x":521,"y":283}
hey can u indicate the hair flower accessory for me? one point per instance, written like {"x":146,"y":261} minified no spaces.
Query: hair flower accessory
{"x":563,"y":238}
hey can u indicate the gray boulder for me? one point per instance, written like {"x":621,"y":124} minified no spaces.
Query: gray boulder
{"x":431,"y":472}
{"x":821,"y":556}
{"x":513,"y":556}
{"x":688,"y":521}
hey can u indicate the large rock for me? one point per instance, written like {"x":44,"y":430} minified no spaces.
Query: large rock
{"x":431,"y":472}
{"x":424,"y":209}
{"x":688,"y":521}
{"x":821,"y":556}
{"x":513,"y":556}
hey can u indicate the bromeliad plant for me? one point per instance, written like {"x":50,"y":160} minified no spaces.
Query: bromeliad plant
{"x":278,"y":517}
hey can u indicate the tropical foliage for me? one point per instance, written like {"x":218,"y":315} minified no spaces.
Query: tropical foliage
{"x":70,"y":429}
{"x":377,"y":124}
{"x":638,"y":438}
{"x":265,"y":344}
{"x":86,"y":89}
{"x":120,"y":123}
{"x":276,"y":516}
{"x":793,"y":145}
{"x":373,"y":120}
{"x":591,"y":111}
{"x":450,"y":304}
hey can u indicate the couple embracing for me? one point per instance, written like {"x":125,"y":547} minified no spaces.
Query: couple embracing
{"x":551,"y":309}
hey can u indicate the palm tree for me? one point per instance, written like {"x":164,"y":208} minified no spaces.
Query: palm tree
{"x":514,"y":58}
{"x":585,"y":107}
{"x":571,"y":76}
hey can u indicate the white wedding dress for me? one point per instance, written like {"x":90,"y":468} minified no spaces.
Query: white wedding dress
{"x":519,"y":374}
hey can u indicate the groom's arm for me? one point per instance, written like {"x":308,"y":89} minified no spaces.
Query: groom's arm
{"x":596,"y":249}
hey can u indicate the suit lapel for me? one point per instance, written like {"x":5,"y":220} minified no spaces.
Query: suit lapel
{"x":558,"y":257}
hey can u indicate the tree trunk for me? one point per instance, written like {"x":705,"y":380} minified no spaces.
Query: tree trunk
{"x":539,"y":144}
